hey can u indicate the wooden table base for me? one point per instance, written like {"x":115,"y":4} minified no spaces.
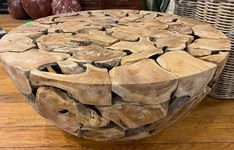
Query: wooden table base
{"x":114,"y":74}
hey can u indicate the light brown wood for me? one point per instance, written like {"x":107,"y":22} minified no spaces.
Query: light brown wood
{"x":98,"y":55}
{"x":180,"y":28}
{"x":173,"y":41}
{"x":98,"y":37}
{"x":88,"y":17}
{"x":189,"y":21}
{"x":219,"y":59}
{"x":31,"y":28}
{"x":20,"y":121}
{"x":139,"y":56}
{"x":18,"y":45}
{"x":19,"y":65}
{"x":51,"y":41}
{"x":121,"y":114}
{"x":125,"y":33}
{"x":199,"y":52}
{"x":207,"y":31}
{"x":22,"y":35}
{"x":65,"y":112}
{"x":193,"y":73}
{"x":211,"y":122}
{"x":104,"y":133}
{"x":130,"y":19}
{"x":99,"y":76}
{"x":167,"y":18}
{"x":156,"y":84}
{"x":144,"y":44}
{"x":210,"y":44}
{"x":70,"y":67}
{"x":132,"y":31}
{"x":69,"y":27}
{"x":94,"y":84}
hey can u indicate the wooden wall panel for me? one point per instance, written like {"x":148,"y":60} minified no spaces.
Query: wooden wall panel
{"x":127,"y":4}
{"x":90,"y":4}
{"x":110,"y":4}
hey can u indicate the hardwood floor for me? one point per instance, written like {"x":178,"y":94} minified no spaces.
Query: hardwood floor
{"x":209,"y":126}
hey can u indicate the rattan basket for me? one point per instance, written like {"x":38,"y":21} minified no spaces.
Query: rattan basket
{"x":185,"y":8}
{"x":221,"y":15}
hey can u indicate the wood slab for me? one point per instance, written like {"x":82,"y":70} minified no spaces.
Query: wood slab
{"x":180,"y":28}
{"x":65,"y":112}
{"x":52,"y":41}
{"x":144,"y":44}
{"x":16,"y":44}
{"x":69,"y":67}
{"x":197,"y":52}
{"x":173,"y":41}
{"x":219,"y":59}
{"x":21,"y":36}
{"x":98,"y":55}
{"x":210,"y":44}
{"x":156,"y":84}
{"x":189,"y":21}
{"x":69,"y":27}
{"x":207,"y":31}
{"x":121,"y":114}
{"x":19,"y":65}
{"x":91,"y":87}
{"x":30,"y":27}
{"x":135,"y":57}
{"x":98,"y":37}
{"x":193,"y":73}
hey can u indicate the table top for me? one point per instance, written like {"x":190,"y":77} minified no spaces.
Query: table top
{"x":210,"y":125}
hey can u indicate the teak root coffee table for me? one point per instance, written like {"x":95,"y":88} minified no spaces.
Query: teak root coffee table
{"x":114,"y":74}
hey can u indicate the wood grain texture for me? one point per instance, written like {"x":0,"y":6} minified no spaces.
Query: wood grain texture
{"x":95,"y":80}
{"x":157,"y":78}
{"x":211,"y":122}
{"x":187,"y":68}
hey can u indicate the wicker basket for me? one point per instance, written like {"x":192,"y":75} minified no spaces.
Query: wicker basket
{"x":3,"y":6}
{"x":185,"y":8}
{"x":221,"y":15}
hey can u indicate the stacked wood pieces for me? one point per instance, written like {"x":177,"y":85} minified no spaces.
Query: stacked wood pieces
{"x":114,"y":74}
{"x":220,"y":14}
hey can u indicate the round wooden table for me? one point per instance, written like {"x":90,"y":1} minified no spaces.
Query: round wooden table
{"x":114,"y":74}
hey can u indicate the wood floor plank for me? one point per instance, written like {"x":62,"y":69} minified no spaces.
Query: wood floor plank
{"x":130,"y":146}
{"x":11,"y":98}
{"x":4,"y":80}
{"x":8,"y":23}
{"x":20,"y":115}
{"x":8,"y":88}
{"x":25,"y":120}
{"x":50,"y":136}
